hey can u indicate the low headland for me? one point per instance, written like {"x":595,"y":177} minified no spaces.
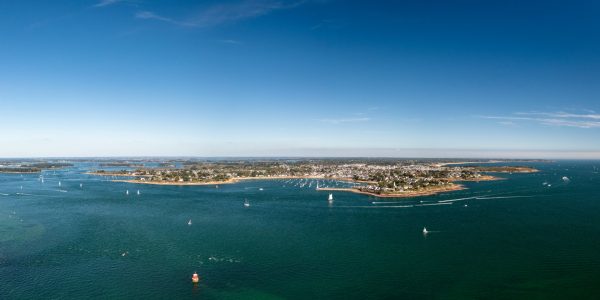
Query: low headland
{"x":31,"y":167}
{"x":398,"y":179}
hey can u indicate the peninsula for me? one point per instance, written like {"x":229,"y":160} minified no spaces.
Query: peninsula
{"x":381,"y":178}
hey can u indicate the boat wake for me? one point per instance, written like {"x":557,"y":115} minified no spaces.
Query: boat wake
{"x":505,"y":197}
{"x":458,"y":199}
{"x":433,"y":204}
{"x":379,"y":206}
{"x":25,"y":194}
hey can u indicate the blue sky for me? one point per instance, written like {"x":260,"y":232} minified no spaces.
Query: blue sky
{"x":281,"y":78}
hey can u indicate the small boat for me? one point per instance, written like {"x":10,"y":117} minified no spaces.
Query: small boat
{"x":246,"y":203}
{"x":127,"y":192}
{"x":59,"y":184}
{"x":190,"y":222}
{"x":81,"y":185}
{"x":330,"y":198}
{"x":425,"y":230}
{"x":195,"y":278}
{"x":260,"y":189}
{"x":565,"y":178}
{"x":138,"y":192}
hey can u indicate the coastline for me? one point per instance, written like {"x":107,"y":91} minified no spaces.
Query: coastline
{"x":467,"y":162}
{"x":409,"y":194}
{"x":517,"y":170}
{"x":482,"y":178}
{"x":114,"y":174}
{"x":406,"y":194}
{"x":229,"y":181}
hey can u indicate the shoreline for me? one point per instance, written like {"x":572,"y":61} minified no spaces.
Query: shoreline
{"x":516,"y":171}
{"x":482,"y":178}
{"x":467,"y":162}
{"x":115,"y":174}
{"x":408,"y":194}
{"x":229,"y":181}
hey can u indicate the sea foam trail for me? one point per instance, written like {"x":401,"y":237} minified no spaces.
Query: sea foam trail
{"x":381,"y":206}
{"x":504,"y":197}
{"x":492,"y":195}
{"x":458,"y":199}
{"x":432,"y":204}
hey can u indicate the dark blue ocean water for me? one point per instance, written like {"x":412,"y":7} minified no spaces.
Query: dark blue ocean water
{"x":514,"y":239}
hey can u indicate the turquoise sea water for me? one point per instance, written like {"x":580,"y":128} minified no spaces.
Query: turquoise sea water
{"x":514,"y":239}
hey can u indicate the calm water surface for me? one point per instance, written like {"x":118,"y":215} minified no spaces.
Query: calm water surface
{"x":510,"y":239}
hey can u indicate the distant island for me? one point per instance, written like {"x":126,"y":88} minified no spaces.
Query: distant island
{"x":24,"y":168}
{"x":380,"y":178}
{"x":121,"y":164}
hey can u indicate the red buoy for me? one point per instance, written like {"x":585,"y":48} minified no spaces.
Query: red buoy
{"x":195,"y":278}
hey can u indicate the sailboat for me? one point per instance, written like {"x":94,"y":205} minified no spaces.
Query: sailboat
{"x":127,"y":192}
{"x":138,"y":192}
{"x":190,"y":222}
{"x":425,"y":230}
{"x":81,"y":185}
{"x":246,"y":203}
{"x":59,"y":184}
{"x":330,"y":197}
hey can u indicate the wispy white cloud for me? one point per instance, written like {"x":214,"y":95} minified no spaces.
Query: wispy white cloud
{"x":589,"y":115}
{"x":507,"y":123}
{"x":345,"y":120}
{"x":148,"y":15}
{"x":224,"y":13}
{"x":104,"y":3}
{"x":561,"y":119}
{"x":231,"y":42}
